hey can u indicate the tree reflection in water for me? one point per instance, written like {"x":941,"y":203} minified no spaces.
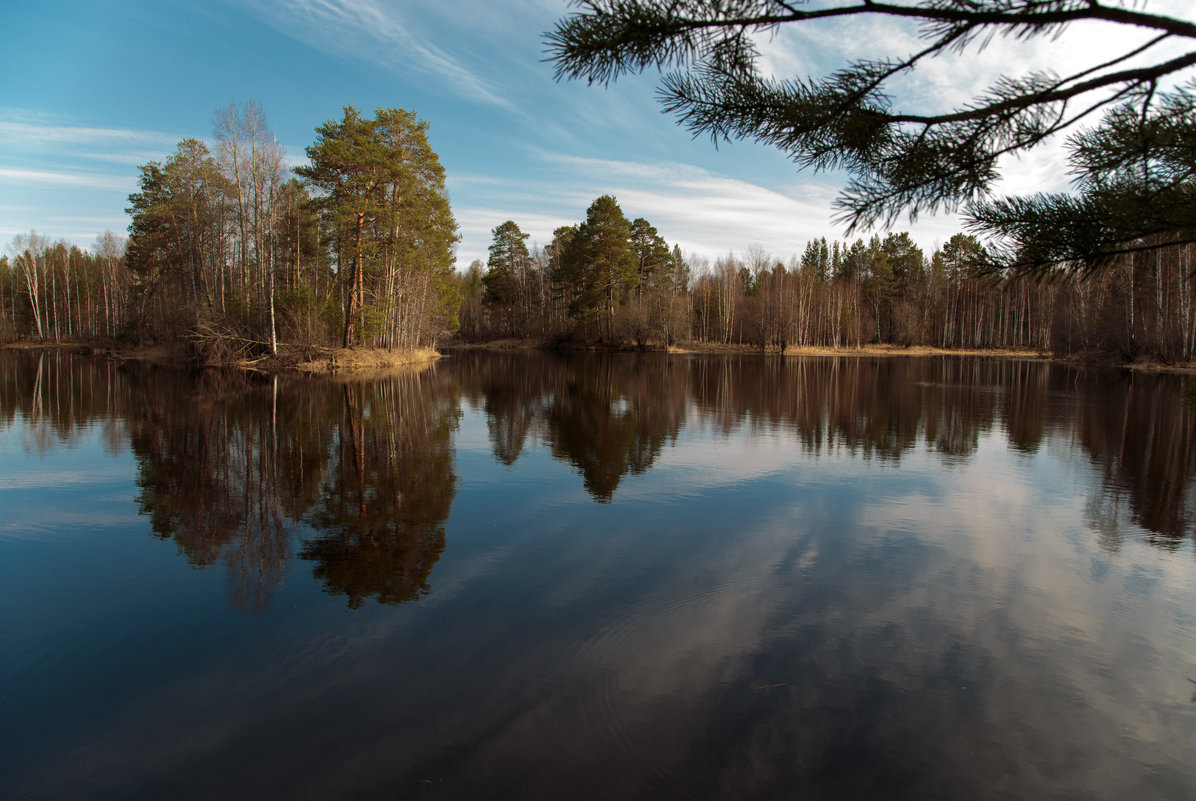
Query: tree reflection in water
{"x":608,"y":416}
{"x":208,"y":472}
{"x":387,"y":492}
{"x":358,"y":478}
{"x":233,"y":467}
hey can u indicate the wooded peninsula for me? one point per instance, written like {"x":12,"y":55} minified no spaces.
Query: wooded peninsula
{"x":231,"y":258}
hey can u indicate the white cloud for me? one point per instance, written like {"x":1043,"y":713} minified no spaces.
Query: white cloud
{"x":1043,"y":169}
{"x":71,"y":180}
{"x":57,"y":178}
{"x":38,"y":137}
{"x":707,"y":214}
{"x":820,"y":47}
{"x":480,"y":222}
{"x":40,"y":134}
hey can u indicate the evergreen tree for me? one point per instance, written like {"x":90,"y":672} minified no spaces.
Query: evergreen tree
{"x":509,"y":262}
{"x":1136,"y":192}
{"x":960,"y":254}
{"x":651,"y":251}
{"x":565,"y":272}
{"x":472,"y":297}
{"x":174,"y":235}
{"x":816,"y":259}
{"x":648,"y":316}
{"x":602,"y":255}
{"x":419,"y":296}
{"x":679,"y":271}
{"x":349,"y":169}
{"x":382,"y":189}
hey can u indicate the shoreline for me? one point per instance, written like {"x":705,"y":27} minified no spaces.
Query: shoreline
{"x":290,"y":359}
{"x":865,"y":351}
{"x":312,"y":359}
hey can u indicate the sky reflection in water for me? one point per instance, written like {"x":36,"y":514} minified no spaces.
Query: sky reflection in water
{"x":521,"y":576}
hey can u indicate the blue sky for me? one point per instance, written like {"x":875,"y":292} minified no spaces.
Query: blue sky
{"x":90,"y":90}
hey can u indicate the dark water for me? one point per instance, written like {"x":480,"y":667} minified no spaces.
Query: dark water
{"x":528,"y":577}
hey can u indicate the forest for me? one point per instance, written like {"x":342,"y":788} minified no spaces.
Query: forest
{"x":231,"y":255}
{"x":617,"y":282}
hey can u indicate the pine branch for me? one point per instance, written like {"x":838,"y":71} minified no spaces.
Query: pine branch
{"x":914,"y":162}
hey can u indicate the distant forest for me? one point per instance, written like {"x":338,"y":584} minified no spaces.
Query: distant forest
{"x":610,"y":280}
{"x":233,"y":256}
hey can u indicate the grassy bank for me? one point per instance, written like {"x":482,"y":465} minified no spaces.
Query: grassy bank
{"x":290,"y":358}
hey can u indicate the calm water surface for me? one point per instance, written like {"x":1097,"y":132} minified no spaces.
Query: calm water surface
{"x":530,"y":577}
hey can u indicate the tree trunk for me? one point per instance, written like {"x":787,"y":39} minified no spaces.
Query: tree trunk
{"x":354,"y":283}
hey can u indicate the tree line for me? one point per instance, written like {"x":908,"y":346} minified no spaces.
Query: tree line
{"x":232,"y":252}
{"x":618,"y":282}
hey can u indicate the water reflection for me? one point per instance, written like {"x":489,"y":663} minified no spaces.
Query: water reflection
{"x":648,"y":577}
{"x":387,"y":492}
{"x":612,"y":416}
{"x":232,"y":468}
{"x":358,"y":477}
{"x":210,"y":478}
{"x":1141,"y":438}
{"x":606,"y":417}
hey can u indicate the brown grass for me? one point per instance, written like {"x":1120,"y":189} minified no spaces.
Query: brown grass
{"x":718,"y":348}
{"x":714,"y":348}
{"x":916,"y":350}
{"x":337,"y":360}
{"x":290,"y":358}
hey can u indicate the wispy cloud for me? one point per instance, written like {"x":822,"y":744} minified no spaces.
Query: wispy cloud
{"x":477,"y":224}
{"x":90,"y":180}
{"x":38,"y":137}
{"x":390,"y":35}
{"x":70,"y":180}
{"x":111,"y":222}
{"x":31,"y":133}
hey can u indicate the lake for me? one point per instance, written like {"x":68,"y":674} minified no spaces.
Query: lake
{"x":528,"y":576}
